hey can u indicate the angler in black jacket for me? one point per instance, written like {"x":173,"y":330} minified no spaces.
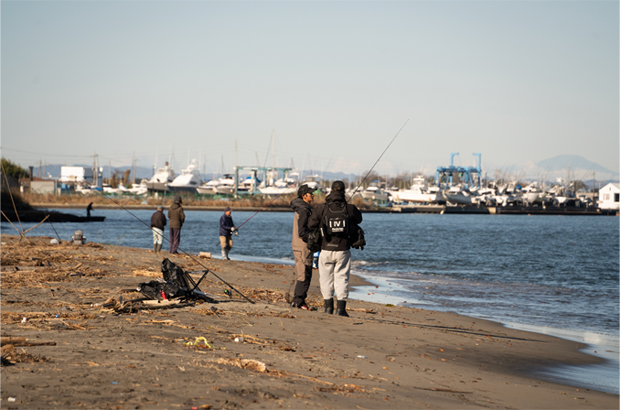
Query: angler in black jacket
{"x":337,"y":220}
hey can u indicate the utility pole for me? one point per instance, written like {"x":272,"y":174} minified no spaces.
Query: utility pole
{"x":133,"y":171}
{"x":593,"y":186}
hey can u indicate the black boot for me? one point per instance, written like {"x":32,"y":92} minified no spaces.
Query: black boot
{"x":341,"y":308}
{"x":329,"y":306}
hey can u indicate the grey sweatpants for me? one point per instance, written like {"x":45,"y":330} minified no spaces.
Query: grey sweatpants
{"x":334,"y":270}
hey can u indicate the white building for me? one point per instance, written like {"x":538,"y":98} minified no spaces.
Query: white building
{"x":609,"y":196}
{"x":45,"y":186}
{"x":76,"y":175}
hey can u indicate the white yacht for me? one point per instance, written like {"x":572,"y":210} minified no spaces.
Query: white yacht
{"x":159,"y":181}
{"x":458,"y":195}
{"x":283,"y":186}
{"x":208,"y":188}
{"x":226,"y":185}
{"x":188,"y":181}
{"x":418,"y":192}
{"x":374,"y":192}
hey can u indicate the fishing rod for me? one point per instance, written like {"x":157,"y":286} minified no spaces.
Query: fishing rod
{"x":256,"y":213}
{"x":59,"y":240}
{"x":376,"y":162}
{"x":182,"y":250}
{"x":373,"y":167}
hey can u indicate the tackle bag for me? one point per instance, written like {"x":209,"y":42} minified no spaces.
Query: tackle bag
{"x":314,"y":240}
{"x":175,"y":284}
{"x":358,"y":241}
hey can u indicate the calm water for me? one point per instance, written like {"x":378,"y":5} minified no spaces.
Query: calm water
{"x":541,"y":272}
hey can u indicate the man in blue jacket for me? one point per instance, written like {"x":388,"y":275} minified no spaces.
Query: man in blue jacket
{"x":227,"y":227}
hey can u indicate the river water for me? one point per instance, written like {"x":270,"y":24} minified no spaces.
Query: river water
{"x":550,"y":274}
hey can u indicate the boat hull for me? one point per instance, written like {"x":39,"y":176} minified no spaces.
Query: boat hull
{"x":157,"y":187}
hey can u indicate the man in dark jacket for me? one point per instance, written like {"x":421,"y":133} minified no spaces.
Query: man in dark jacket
{"x":158,"y":222}
{"x":336,"y":220}
{"x":227,"y":227}
{"x":303,"y":255}
{"x":177,"y":218}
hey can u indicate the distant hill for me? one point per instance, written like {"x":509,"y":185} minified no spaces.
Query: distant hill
{"x":549,"y":169}
{"x":562,"y":162}
{"x":580,"y":169}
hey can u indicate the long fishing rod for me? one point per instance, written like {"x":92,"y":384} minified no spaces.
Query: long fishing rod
{"x":182,"y":250}
{"x":257,"y":212}
{"x":378,"y":159}
{"x":373,"y":167}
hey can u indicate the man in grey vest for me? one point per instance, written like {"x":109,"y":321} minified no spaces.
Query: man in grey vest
{"x":303,"y":256}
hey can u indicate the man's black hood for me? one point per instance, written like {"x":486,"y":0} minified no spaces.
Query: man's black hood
{"x":336,"y":196}
{"x":299,"y":204}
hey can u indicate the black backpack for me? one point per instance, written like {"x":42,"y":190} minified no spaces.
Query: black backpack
{"x":336,"y":220}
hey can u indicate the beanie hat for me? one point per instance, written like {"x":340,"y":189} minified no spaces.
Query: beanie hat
{"x":177,"y":199}
{"x":227,"y":209}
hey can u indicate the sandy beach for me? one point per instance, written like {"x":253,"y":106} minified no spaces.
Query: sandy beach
{"x":78,"y":341}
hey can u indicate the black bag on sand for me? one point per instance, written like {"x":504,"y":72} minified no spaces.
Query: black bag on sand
{"x":173,"y":274}
{"x":152,"y":289}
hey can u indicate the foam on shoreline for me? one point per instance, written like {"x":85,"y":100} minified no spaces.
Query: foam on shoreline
{"x":602,"y":377}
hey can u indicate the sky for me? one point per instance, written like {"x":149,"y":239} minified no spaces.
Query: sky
{"x":330,"y":83}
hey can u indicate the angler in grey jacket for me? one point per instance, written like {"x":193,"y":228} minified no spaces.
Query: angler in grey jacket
{"x":303,"y":256}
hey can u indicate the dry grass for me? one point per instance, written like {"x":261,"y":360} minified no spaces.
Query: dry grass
{"x":13,"y":356}
{"x":80,"y":200}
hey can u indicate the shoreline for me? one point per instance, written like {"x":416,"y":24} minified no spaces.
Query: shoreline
{"x":414,"y":357}
{"x":396,"y":209}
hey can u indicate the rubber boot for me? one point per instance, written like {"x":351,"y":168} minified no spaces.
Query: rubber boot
{"x":159,"y":247}
{"x":224,"y":256}
{"x":155,"y":247}
{"x":329,"y":306}
{"x":226,"y":250}
{"x":341,"y":308}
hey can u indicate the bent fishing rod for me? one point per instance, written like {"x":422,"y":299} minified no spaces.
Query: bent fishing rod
{"x":378,"y":159}
{"x":182,"y":250}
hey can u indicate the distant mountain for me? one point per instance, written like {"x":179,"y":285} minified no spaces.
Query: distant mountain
{"x":580,"y":168}
{"x":562,"y":162}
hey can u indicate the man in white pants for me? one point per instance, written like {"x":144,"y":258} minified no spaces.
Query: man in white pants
{"x":337,"y":220}
{"x":158,"y":221}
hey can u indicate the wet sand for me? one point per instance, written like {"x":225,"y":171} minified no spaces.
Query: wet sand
{"x":110,"y":352}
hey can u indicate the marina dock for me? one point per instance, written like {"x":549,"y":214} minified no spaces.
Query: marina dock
{"x":498,"y":210}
